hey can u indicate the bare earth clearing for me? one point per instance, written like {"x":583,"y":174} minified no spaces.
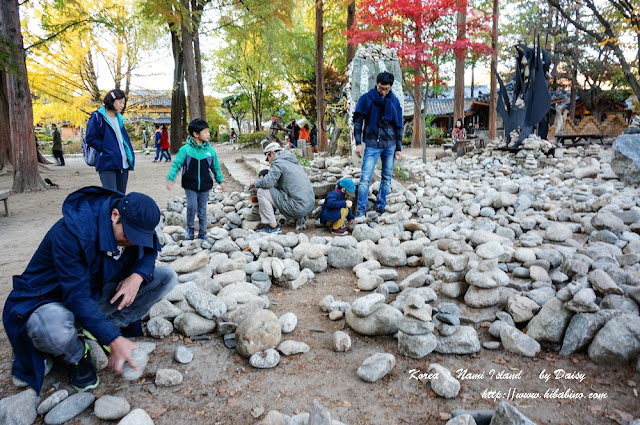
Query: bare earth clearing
{"x":221,"y":388}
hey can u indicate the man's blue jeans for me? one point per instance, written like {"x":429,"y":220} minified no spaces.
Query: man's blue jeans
{"x":52,"y":328}
{"x":369,"y":161}
{"x":197,"y":202}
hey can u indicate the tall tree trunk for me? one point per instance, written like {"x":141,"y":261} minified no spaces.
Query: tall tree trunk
{"x":418,"y":122}
{"x":258,"y":93}
{"x":321,"y":104}
{"x":493,"y":99}
{"x":15,"y":89}
{"x":5,"y":136}
{"x":473,"y":79}
{"x":178,"y":101}
{"x":458,"y":93}
{"x":351,"y":15}
{"x":117,"y":72}
{"x":198,"y":7}
{"x":91,"y":79}
{"x":574,"y":93}
{"x":189,"y":64}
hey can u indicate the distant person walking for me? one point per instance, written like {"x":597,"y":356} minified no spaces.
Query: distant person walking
{"x":304,"y":134}
{"x":313,"y":135}
{"x":156,"y":143}
{"x":57,"y":146}
{"x":106,"y":134}
{"x":164,"y":144}
{"x":294,"y":133}
{"x":145,"y":137}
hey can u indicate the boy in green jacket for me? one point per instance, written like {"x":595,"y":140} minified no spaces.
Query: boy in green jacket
{"x":197,"y":160}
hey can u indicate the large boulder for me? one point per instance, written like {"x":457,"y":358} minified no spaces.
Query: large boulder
{"x":515,"y":341}
{"x":583,"y":328}
{"x":258,"y":332}
{"x":391,"y":256}
{"x":383,"y":321}
{"x":618,"y":341}
{"x":626,"y":158}
{"x":551,"y":322}
{"x":19,"y":409}
{"x":509,"y":415}
{"x":463,"y":341}
{"x":344,"y":258}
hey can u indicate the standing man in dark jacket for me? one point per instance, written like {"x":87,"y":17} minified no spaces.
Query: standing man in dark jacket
{"x":57,"y":145}
{"x":379,"y":116}
{"x":294,"y":133}
{"x":95,"y":267}
{"x":286,"y":187}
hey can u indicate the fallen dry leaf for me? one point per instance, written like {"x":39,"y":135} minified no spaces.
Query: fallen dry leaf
{"x":157,"y":412}
{"x":626,"y":417}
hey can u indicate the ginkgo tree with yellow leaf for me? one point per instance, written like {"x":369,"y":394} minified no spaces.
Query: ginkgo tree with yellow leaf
{"x":62,"y":65}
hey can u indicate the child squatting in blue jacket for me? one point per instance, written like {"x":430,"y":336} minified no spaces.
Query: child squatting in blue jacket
{"x":337,"y":208}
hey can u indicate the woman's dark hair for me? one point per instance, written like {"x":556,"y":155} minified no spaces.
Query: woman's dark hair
{"x":459,"y":120}
{"x":385,"y":78}
{"x":112,"y":96}
{"x":197,"y":125}
{"x":306,"y":126}
{"x":164,"y":127}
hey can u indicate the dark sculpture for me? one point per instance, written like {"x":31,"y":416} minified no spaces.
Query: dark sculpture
{"x":531,"y":101}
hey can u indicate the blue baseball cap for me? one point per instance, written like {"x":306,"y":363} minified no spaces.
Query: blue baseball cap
{"x":348,"y":185}
{"x":140,"y":216}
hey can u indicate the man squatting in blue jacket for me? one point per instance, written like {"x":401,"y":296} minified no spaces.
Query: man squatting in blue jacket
{"x":95,"y":267}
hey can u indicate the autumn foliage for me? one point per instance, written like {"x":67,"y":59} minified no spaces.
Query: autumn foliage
{"x":420,"y":30}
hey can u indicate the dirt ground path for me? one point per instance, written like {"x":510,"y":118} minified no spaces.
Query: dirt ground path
{"x":221,"y":388}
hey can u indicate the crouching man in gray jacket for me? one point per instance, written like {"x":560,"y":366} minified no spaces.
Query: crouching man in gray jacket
{"x":286,"y":187}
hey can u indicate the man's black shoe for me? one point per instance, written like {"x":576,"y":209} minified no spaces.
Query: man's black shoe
{"x":83,"y":374}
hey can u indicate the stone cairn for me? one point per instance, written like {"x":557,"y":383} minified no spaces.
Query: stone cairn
{"x":484,"y":277}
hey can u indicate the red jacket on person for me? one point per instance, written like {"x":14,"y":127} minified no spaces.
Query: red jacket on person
{"x":164,"y":140}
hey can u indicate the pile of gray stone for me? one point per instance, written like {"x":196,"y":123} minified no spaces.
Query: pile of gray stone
{"x":555,"y":248}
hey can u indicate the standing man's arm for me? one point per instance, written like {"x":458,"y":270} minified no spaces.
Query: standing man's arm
{"x":398,"y":137}
{"x":358,"y":123}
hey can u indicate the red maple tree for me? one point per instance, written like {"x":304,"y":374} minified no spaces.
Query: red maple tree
{"x":423,"y":32}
